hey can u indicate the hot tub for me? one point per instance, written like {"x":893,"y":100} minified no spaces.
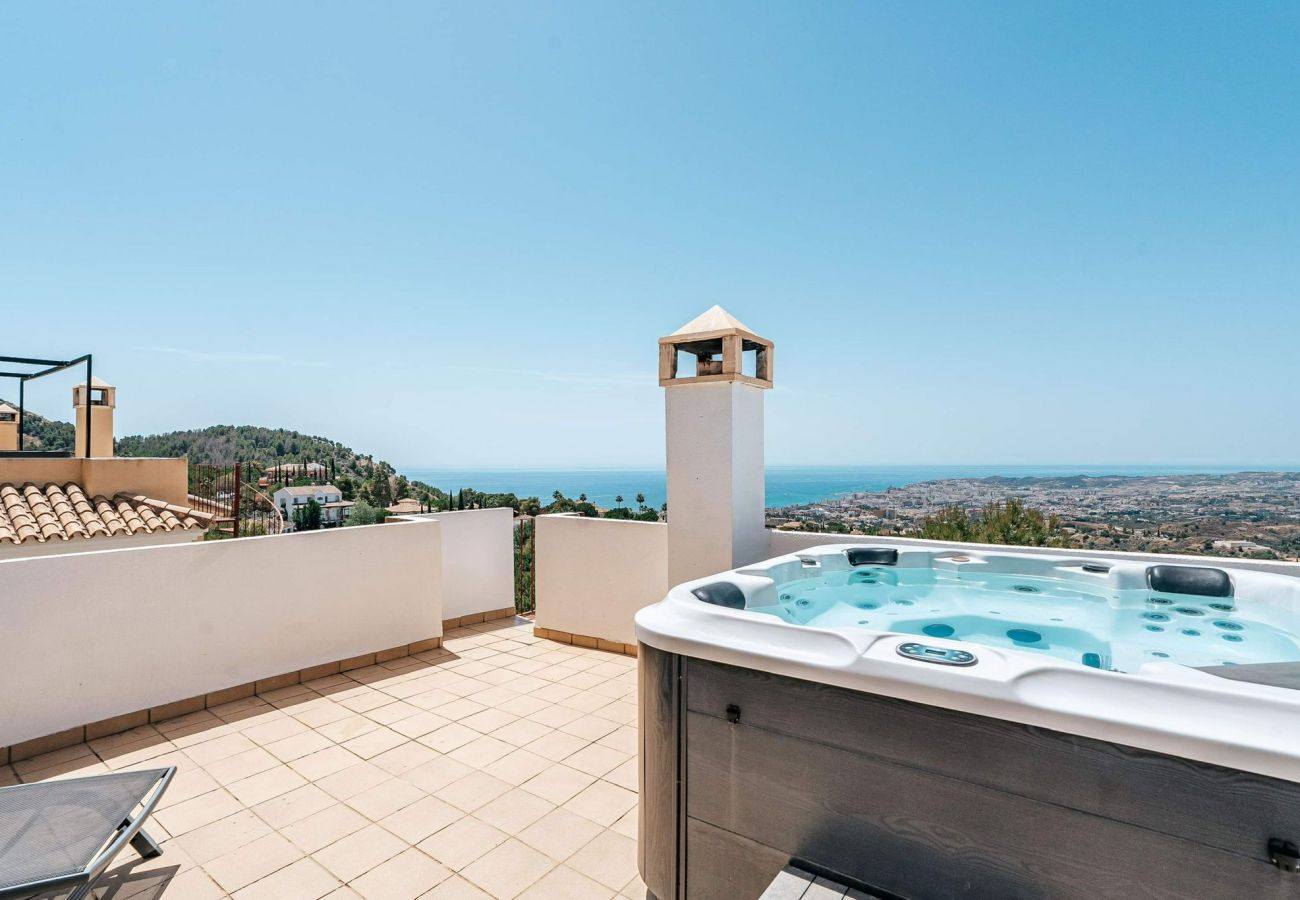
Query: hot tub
{"x":958,"y":723}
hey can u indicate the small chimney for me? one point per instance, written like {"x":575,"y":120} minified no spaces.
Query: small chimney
{"x":8,"y":427}
{"x":714,"y":415}
{"x":96,"y":413}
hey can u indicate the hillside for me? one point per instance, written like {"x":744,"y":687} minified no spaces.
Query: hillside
{"x":224,"y":444}
{"x":41,"y":433}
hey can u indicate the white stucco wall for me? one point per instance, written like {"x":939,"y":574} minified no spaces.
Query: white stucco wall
{"x":88,"y":636}
{"x":478,"y":560}
{"x":594,"y":574}
{"x":783,"y":542}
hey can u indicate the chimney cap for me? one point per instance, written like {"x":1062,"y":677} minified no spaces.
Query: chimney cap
{"x":717,"y":340}
{"x":715,"y":318}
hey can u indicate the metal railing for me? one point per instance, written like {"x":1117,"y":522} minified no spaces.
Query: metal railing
{"x":525,"y":564}
{"x":230,"y":494}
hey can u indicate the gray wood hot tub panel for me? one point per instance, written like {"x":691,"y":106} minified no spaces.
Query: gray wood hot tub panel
{"x":925,"y":802}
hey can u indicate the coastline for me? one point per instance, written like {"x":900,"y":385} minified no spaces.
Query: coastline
{"x":786,"y":485}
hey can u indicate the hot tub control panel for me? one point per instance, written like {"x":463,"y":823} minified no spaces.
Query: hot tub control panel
{"x":941,"y":655}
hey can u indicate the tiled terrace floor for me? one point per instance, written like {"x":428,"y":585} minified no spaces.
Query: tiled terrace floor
{"x":498,"y":766}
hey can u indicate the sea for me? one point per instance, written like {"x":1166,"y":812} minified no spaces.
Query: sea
{"x":786,"y":485}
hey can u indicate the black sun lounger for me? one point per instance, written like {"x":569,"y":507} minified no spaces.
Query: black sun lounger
{"x":58,"y":837}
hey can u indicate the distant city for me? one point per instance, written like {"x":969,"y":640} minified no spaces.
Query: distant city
{"x":1250,"y":514}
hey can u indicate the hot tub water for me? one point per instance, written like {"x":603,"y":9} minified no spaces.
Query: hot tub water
{"x":1095,"y":625}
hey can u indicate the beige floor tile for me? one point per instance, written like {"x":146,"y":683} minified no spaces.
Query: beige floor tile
{"x":456,"y":888}
{"x":241,"y":765}
{"x":71,"y":768}
{"x":436,"y":774}
{"x":254,"y":861}
{"x":521,"y":732}
{"x":303,"y":880}
{"x":523,"y":705}
{"x":287,"y":692}
{"x":514,"y":811}
{"x":298,"y":746}
{"x":624,"y":739}
{"x":609,"y":858}
{"x":406,"y":876}
{"x":558,"y":783}
{"x":328,"y":682}
{"x":242,"y":710}
{"x":482,"y":751}
{"x":556,"y":745}
{"x":266,"y":785}
{"x":473,"y":791}
{"x":275,"y":730}
{"x":460,"y":708}
{"x":324,"y":828}
{"x":625,"y":775}
{"x":221,"y":837}
{"x":422,"y":818}
{"x":125,"y":738}
{"x":194,"y":884}
{"x":375,"y":742}
{"x":353,"y":780}
{"x":218,"y":748}
{"x":595,"y":759}
{"x":321,"y":763}
{"x":560,"y":833}
{"x":345,"y":730}
{"x":627,"y":824}
{"x":365,"y":702}
{"x":385,"y":798}
{"x":74,"y":754}
{"x":553,"y":715}
{"x":404,"y":757}
{"x":462,"y":842}
{"x":359,"y":852}
{"x":508,"y":869}
{"x":198,"y":811}
{"x":488,"y":720}
{"x":602,"y":802}
{"x":589,"y":728}
{"x":554,"y":693}
{"x":449,"y":737}
{"x":431,"y":699}
{"x":346,"y":893}
{"x":190,"y":781}
{"x":393,"y":711}
{"x":587,"y":702}
{"x":563,"y":883}
{"x":194,"y":728}
{"x":518,"y":766}
{"x":263,"y":765}
{"x":419,"y":725}
{"x":635,"y":889}
{"x":319,"y":713}
{"x":293,"y":806}
{"x":146,"y":754}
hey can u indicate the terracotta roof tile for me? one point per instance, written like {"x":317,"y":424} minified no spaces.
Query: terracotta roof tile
{"x":62,"y":512}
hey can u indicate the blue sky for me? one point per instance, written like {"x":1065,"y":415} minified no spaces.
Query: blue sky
{"x":450,"y":234}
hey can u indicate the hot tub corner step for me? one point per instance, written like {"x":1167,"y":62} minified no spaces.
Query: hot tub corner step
{"x":794,"y":883}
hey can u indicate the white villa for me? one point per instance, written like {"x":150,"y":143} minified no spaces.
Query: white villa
{"x":334,"y":509}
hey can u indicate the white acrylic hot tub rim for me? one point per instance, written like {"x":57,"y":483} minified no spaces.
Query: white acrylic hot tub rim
{"x":1163,"y":707}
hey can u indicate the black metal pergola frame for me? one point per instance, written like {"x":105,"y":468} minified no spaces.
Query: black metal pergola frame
{"x":49,"y":367}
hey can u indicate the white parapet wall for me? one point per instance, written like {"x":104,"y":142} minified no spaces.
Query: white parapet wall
{"x":89,"y":636}
{"x":478,"y":561}
{"x":783,"y":542}
{"x":594,"y":574}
